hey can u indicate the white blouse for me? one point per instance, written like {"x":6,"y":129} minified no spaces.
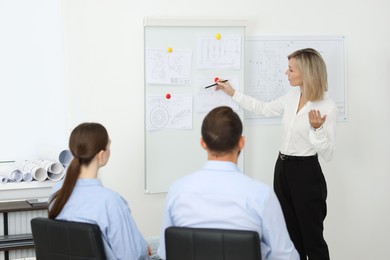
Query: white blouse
{"x":299,"y":138}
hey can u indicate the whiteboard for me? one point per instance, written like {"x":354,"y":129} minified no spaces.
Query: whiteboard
{"x":266,"y":62}
{"x":175,"y":98}
{"x":32,"y":101}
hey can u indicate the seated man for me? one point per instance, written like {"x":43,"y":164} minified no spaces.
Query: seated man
{"x":220,"y":196}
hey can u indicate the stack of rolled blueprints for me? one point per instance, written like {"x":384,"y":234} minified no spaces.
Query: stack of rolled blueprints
{"x":38,"y":169}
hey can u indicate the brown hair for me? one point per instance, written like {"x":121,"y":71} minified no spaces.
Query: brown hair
{"x":221,"y":130}
{"x":313,"y":72}
{"x":85,"y":141}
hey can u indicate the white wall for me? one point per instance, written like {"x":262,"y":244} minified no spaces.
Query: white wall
{"x":105,"y":83}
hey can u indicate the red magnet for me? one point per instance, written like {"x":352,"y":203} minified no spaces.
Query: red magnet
{"x":168,"y":96}
{"x":216,"y":79}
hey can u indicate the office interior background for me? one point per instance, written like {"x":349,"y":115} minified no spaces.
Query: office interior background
{"x":104,"y":82}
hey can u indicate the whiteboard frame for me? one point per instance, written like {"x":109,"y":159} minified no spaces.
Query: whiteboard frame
{"x":194,"y":22}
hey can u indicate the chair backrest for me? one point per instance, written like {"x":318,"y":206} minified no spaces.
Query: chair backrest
{"x":66,"y":240}
{"x":211,"y":244}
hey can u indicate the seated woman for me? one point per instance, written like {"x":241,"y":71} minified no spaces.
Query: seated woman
{"x":82,"y":197}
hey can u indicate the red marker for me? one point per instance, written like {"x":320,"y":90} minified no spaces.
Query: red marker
{"x":216,"y":79}
{"x":168,"y":96}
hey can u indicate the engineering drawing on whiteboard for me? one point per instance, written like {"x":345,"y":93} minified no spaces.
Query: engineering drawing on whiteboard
{"x":168,"y":67}
{"x":266,"y":62}
{"x":207,"y":99}
{"x":223,"y":53}
{"x":169,"y":112}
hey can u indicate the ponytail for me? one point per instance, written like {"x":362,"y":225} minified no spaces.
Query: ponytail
{"x":85,"y":141}
{"x":59,"y":199}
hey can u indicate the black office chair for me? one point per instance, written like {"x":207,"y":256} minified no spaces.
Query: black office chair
{"x":65,"y":240}
{"x":211,"y":244}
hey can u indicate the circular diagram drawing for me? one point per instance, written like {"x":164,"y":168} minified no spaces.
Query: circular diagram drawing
{"x":159,"y":117}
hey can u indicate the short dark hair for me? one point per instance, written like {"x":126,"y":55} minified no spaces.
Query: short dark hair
{"x":221,"y":130}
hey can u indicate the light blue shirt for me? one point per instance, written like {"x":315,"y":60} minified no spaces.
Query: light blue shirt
{"x":90,"y":202}
{"x":220,"y":196}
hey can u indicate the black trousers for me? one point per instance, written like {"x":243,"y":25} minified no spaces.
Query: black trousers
{"x":301,"y":189}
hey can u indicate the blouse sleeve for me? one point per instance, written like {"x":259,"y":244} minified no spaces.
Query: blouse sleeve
{"x":323,"y":138}
{"x":272,"y":108}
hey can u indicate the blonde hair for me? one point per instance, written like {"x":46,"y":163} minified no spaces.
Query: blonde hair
{"x":313,"y":72}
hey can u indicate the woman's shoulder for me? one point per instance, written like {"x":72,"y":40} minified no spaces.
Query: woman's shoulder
{"x":327,"y":102}
{"x":112,"y":202}
{"x":112,"y":195}
{"x":102,"y":194}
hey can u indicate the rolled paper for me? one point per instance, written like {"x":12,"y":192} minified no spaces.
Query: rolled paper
{"x":50,"y":166}
{"x":39,"y":169}
{"x":13,"y":174}
{"x":55,"y":176}
{"x":37,"y":172}
{"x":3,"y":179}
{"x":16,"y":175}
{"x":27,"y":176}
{"x":65,"y":157}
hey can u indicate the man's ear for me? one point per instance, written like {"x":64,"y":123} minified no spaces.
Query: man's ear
{"x":203,"y":144}
{"x":241,"y":143}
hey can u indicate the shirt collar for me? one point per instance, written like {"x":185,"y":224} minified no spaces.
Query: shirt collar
{"x":89,"y":182}
{"x":221,"y":166}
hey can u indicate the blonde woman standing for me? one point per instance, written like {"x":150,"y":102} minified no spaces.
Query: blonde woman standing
{"x":309,"y":117}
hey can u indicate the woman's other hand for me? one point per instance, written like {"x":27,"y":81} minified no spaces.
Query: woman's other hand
{"x":315,"y":119}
